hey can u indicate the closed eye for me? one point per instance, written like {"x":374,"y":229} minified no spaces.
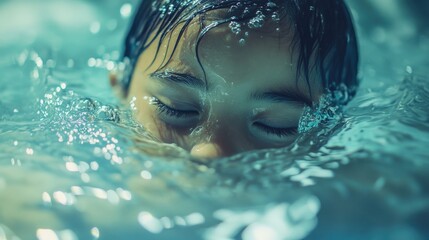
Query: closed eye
{"x":279,"y":132}
{"x":163,"y":108}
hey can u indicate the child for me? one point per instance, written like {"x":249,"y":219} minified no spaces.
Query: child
{"x":218,"y":77}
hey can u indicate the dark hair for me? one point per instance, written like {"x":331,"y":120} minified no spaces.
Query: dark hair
{"x":323,"y":32}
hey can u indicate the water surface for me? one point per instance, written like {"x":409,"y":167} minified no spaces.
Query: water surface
{"x":74,"y":164}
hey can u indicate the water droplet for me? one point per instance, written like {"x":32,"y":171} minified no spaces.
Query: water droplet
{"x":39,"y":62}
{"x":29,"y":151}
{"x":409,"y":69}
{"x":150,"y":223}
{"x":195,"y":219}
{"x":95,"y":232}
{"x":46,"y":234}
{"x":112,"y":197}
{"x":166,"y":222}
{"x":92,"y":62}
{"x":110,"y":65}
{"x":146,"y":175}
{"x":124,"y":194}
{"x":126,"y":10}
{"x":72,"y":167}
{"x":46,"y":198}
{"x":242,"y":42}
{"x":64,"y":198}
{"x":95,"y":27}
{"x":94,"y":166}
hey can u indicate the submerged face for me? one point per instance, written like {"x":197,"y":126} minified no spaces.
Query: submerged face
{"x":243,"y":96}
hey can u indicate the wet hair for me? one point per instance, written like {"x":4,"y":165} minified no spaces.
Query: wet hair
{"x":323,"y":32}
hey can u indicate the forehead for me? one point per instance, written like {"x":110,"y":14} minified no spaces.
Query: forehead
{"x":263,"y":53}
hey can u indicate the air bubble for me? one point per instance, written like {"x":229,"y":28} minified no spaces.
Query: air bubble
{"x":275,"y":16}
{"x":246,"y":11}
{"x":271,"y":5}
{"x":232,"y":8}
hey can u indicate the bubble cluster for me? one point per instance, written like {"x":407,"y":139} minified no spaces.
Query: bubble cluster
{"x":235,"y":27}
{"x":257,"y":21}
{"x":252,"y":17}
{"x":168,"y":8}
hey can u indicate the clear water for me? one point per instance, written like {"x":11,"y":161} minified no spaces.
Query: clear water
{"x":74,"y":165}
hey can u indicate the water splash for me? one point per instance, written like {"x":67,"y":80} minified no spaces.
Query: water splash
{"x":276,"y":221}
{"x":327,"y":111}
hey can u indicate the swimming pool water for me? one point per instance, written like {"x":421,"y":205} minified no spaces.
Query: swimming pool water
{"x":74,"y":164}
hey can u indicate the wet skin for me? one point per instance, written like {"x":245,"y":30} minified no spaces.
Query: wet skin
{"x":249,"y":97}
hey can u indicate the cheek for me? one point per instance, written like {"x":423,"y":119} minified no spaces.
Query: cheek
{"x":147,"y":115}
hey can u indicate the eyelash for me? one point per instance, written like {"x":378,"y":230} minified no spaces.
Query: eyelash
{"x":280,"y":132}
{"x":165,"y":109}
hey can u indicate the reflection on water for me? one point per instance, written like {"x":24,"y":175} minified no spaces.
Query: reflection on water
{"x":74,"y":165}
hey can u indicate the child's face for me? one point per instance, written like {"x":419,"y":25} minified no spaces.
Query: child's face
{"x":250,"y":98}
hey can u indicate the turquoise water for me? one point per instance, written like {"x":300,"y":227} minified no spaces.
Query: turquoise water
{"x":74,"y":164}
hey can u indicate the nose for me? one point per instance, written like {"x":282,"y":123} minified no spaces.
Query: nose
{"x":207,"y":150}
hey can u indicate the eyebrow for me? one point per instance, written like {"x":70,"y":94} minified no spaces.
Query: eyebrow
{"x":279,"y":95}
{"x":180,"y":78}
{"x":282,"y":96}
